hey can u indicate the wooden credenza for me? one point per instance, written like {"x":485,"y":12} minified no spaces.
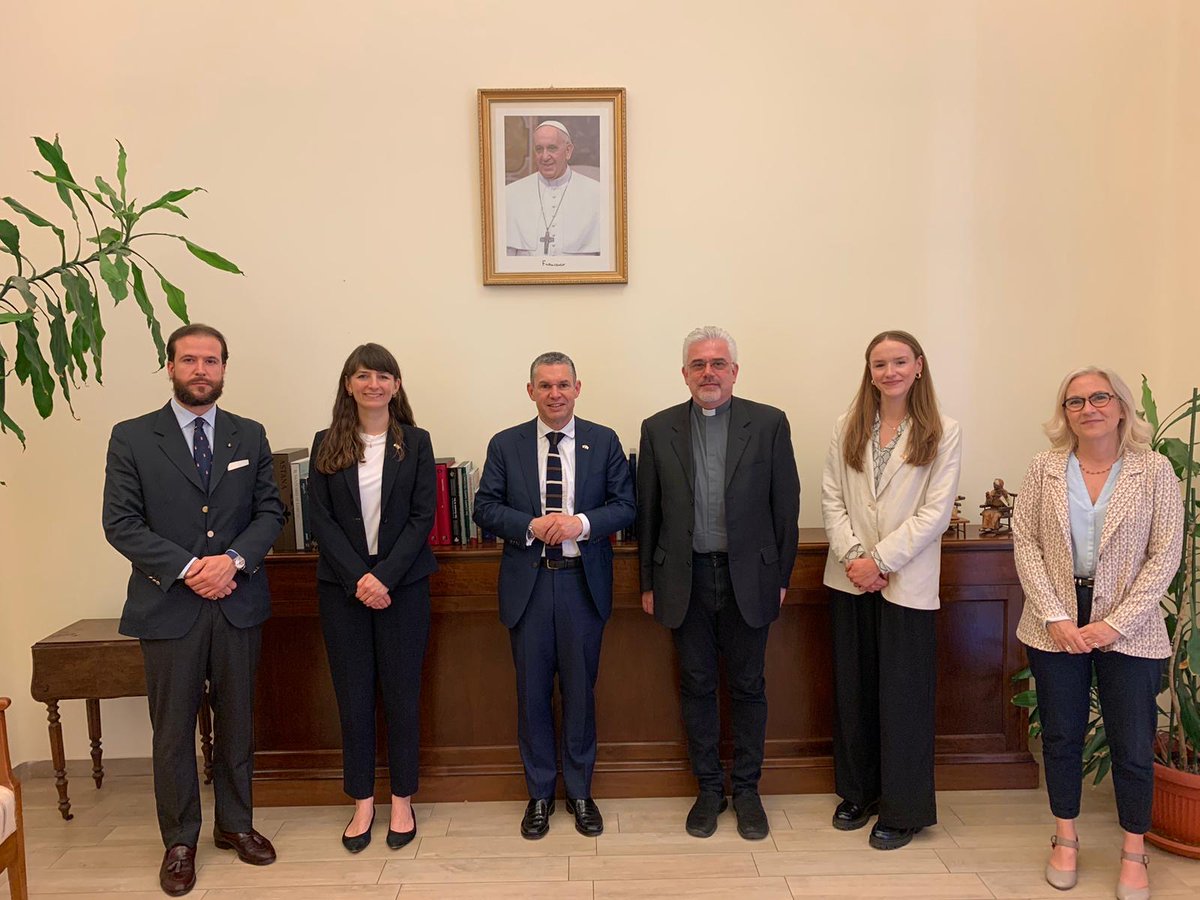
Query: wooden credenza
{"x":469,"y":728}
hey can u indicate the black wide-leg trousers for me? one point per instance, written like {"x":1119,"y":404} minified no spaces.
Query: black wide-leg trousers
{"x":884,"y":678}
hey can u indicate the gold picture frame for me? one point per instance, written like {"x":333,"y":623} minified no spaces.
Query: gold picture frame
{"x":553,"y":195}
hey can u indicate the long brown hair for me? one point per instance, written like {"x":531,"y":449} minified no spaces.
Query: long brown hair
{"x":342,"y":447}
{"x":925,"y":422}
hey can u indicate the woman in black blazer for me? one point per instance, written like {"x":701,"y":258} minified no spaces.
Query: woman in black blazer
{"x":373,"y":492}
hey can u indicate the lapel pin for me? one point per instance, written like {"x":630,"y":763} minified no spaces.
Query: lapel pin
{"x":229,"y":445}
{"x":586,"y":447}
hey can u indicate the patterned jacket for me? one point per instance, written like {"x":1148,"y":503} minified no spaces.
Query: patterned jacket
{"x":1137,"y":557}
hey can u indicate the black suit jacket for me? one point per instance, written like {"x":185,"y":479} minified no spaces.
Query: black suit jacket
{"x":762,"y":508}
{"x":409,"y":499}
{"x":510,"y":498}
{"x":158,"y":516}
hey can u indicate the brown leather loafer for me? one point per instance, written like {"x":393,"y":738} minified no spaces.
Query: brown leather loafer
{"x":251,"y":846}
{"x":177,"y":874}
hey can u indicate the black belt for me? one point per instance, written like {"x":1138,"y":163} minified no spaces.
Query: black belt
{"x":1084,"y":582}
{"x":566,"y":562}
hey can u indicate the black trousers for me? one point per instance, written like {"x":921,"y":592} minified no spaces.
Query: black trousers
{"x":227,"y":657}
{"x":559,"y":634}
{"x":374,"y":650}
{"x":884,"y":679}
{"x":1128,"y":688}
{"x":713,"y":629}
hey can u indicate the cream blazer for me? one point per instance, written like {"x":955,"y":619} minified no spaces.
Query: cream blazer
{"x":904,"y":520}
{"x":1137,"y":557}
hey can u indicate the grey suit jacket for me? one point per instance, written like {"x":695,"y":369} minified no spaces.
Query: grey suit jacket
{"x":762,"y":509}
{"x":158,"y":516}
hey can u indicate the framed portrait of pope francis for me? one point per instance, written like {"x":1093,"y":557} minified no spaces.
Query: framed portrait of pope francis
{"x":552,"y":168}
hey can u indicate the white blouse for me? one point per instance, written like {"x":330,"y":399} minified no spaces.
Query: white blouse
{"x":370,"y":486}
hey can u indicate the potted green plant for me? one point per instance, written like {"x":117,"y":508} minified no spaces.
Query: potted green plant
{"x":1175,"y":821}
{"x":50,"y":321}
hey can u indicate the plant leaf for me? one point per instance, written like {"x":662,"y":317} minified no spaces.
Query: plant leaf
{"x":87,"y":313}
{"x":52,"y":153}
{"x":1180,"y":455}
{"x":1149,"y":407}
{"x":1025,"y":699}
{"x":1024,"y":675}
{"x":112,"y":277}
{"x":6,"y":421}
{"x":213,"y":259}
{"x":10,"y":237}
{"x":1105,"y":765}
{"x":108,"y":236}
{"x":106,"y":189}
{"x":68,"y":183}
{"x":122,"y":159}
{"x":41,"y":222}
{"x":171,"y":207}
{"x":175,"y":298}
{"x":147,"y":308}
{"x":60,"y":351}
{"x":31,"y":366}
{"x":79,"y":345}
{"x":169,"y":197}
{"x":7,"y":317}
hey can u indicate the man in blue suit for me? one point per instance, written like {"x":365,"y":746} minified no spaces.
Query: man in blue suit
{"x":554,"y":490}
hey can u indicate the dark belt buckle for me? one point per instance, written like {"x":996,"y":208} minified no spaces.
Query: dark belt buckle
{"x":1085,"y":582}
{"x":567,"y":562}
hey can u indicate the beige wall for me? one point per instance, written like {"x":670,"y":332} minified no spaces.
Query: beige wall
{"x":1016,"y":183}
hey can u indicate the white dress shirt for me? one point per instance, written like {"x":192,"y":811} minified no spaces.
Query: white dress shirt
{"x":566,"y":452}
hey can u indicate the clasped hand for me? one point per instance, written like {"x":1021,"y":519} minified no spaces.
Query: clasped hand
{"x":212,"y":577}
{"x":1072,"y":639}
{"x":865,"y":575}
{"x":372,"y":592}
{"x":554,"y":528}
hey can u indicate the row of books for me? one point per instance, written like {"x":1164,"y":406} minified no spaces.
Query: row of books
{"x":457,"y":484}
{"x":291,"y":475}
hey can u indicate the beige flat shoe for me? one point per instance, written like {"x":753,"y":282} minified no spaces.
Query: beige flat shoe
{"x":1057,"y":878}
{"x":1128,"y":893}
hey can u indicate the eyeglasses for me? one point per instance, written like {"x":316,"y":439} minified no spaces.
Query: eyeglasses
{"x":1099,"y":400}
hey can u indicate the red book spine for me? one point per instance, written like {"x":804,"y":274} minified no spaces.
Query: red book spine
{"x":440,"y":536}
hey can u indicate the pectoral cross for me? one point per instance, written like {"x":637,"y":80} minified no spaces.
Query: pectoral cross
{"x":546,"y":240}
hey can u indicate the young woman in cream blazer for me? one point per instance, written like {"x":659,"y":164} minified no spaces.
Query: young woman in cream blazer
{"x":1097,"y":535}
{"x":887,"y":494}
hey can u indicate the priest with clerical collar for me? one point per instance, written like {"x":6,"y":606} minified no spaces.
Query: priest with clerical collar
{"x":554,"y":211}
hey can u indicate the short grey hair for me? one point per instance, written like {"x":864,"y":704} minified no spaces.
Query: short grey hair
{"x":552,"y":358}
{"x":1133,"y":433}
{"x":709,"y":333}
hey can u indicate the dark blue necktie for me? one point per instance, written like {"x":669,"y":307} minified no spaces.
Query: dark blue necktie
{"x":554,"y":486}
{"x":201,"y":452}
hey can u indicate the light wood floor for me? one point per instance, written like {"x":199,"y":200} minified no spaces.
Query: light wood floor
{"x":988,"y":844}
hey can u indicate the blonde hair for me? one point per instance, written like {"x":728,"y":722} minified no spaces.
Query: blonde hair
{"x":1133,"y":432}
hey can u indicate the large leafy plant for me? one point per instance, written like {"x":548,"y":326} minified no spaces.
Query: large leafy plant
{"x":1179,"y":747}
{"x":50,"y":321}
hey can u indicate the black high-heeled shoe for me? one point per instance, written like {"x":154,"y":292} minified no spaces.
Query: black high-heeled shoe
{"x":359,"y":842}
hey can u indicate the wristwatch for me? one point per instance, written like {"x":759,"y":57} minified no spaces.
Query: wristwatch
{"x":239,"y":561}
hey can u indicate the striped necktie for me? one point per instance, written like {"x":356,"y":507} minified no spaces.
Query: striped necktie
{"x":554,"y":486}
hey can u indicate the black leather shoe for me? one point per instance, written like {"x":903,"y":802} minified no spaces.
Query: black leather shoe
{"x":588,"y":820}
{"x":850,"y":816}
{"x":536,"y":822}
{"x":398,"y":839}
{"x":177,"y":874}
{"x":359,"y":842}
{"x":702,"y":819}
{"x":884,"y":837}
{"x":751,"y":817}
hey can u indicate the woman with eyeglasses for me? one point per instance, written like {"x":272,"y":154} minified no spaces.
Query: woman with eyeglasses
{"x":887,"y":495}
{"x":1097,"y":532}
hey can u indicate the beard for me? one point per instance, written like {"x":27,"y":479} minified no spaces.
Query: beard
{"x":205,"y":393}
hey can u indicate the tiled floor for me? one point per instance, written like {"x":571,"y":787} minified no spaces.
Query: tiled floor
{"x":989,"y":844}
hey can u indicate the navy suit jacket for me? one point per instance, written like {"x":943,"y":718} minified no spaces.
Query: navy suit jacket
{"x":158,"y":516}
{"x":509,"y":499}
{"x":409,"y":499}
